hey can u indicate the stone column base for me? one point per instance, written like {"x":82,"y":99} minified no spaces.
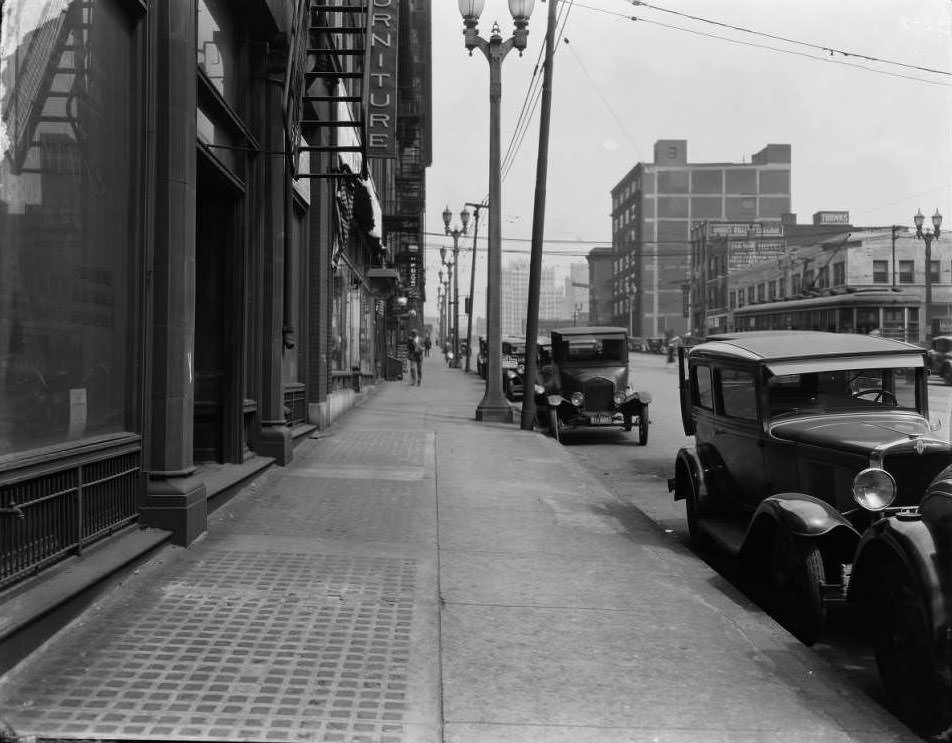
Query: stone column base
{"x":275,"y":441}
{"x":177,"y":504}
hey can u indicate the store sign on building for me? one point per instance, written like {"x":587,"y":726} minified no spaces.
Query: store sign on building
{"x":745,"y":229}
{"x":831,"y":218}
{"x":746,"y":253}
{"x":382,"y":96}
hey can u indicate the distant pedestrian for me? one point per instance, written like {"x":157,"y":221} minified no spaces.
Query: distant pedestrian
{"x":415,"y":357}
{"x":427,"y":343}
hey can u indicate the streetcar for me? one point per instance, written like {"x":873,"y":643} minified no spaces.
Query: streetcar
{"x":892,"y":314}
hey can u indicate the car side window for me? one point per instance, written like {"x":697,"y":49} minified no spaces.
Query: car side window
{"x":738,"y":394}
{"x":703,"y":387}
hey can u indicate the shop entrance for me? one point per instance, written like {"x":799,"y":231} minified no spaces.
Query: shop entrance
{"x":218,"y":313}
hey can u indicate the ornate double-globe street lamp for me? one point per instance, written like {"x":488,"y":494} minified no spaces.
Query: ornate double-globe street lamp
{"x":928,"y":236}
{"x":450,"y":265}
{"x":455,"y":233}
{"x":494,"y":406}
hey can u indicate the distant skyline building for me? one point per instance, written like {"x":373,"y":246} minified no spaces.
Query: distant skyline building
{"x":653,"y":209}
{"x":575,"y":299}
{"x":514,"y":295}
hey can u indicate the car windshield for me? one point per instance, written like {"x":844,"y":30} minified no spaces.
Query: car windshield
{"x":845,"y":389}
{"x":588,"y":348}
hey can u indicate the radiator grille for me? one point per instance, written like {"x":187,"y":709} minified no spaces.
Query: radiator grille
{"x":599,"y":394}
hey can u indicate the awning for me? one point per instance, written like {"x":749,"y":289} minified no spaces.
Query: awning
{"x":367,"y":209}
{"x":382,"y":281}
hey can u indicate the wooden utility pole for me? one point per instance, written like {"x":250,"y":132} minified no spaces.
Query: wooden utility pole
{"x":538,"y":228}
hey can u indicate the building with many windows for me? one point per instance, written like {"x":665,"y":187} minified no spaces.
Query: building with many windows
{"x":514,"y":297}
{"x":653,"y":209}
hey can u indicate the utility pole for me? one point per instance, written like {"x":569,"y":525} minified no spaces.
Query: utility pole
{"x":538,"y":227}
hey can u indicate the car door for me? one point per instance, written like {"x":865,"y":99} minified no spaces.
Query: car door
{"x":738,"y":435}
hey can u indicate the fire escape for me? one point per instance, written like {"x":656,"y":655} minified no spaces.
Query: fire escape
{"x":325,"y":102}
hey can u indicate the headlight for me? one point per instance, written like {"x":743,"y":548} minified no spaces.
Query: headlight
{"x":577,"y":399}
{"x":521,"y":369}
{"x":619,"y":398}
{"x":874,"y":489}
{"x":539,"y":389}
{"x":554,"y":400}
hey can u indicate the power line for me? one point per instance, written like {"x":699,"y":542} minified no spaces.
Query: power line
{"x":822,"y":48}
{"x":765,"y":46}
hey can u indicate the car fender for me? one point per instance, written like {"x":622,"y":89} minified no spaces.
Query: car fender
{"x":688,"y":464}
{"x":802,"y":515}
{"x":922,"y":543}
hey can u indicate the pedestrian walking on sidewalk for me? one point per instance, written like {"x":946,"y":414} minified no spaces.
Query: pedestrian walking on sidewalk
{"x":427,"y":343}
{"x":415,"y":357}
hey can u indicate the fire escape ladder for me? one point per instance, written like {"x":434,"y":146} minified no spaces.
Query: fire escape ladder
{"x":326,"y":87}
{"x":54,"y":83}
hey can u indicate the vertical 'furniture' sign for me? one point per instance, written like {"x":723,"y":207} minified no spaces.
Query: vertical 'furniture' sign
{"x":382,"y":98}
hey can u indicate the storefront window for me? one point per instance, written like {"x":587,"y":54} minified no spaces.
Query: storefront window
{"x":67,"y":241}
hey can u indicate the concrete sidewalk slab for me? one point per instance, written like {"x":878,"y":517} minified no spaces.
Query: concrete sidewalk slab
{"x":416,"y":576}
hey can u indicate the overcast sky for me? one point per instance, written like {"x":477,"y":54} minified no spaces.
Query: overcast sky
{"x":869,"y":137}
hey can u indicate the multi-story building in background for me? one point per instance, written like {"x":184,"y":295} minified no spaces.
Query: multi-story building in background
{"x":575,"y":294}
{"x":514,"y":295}
{"x":653,"y":209}
{"x":600,"y":279}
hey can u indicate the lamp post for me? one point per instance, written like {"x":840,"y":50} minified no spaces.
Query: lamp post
{"x":455,"y":233}
{"x":928,"y":236}
{"x":449,"y":265}
{"x":494,"y":406}
{"x":441,"y":295}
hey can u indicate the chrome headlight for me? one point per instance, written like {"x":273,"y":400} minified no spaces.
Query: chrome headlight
{"x":539,"y":389}
{"x":874,"y":489}
{"x":619,"y":398}
{"x":577,"y":399}
{"x":554,"y":400}
{"x":521,"y":369}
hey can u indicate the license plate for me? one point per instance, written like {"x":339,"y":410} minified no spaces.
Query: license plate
{"x":599,"y":420}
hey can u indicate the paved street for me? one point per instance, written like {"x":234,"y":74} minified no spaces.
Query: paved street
{"x":417,"y":576}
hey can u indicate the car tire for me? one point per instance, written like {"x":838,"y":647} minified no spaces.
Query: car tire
{"x":554,"y":424}
{"x":627,"y":421}
{"x":947,"y":374}
{"x":696,"y":537}
{"x":911,"y":675}
{"x":796,"y":569}
{"x":643,"y":427}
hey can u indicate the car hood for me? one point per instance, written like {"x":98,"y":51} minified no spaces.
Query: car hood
{"x":574,"y":378}
{"x":858,"y":432}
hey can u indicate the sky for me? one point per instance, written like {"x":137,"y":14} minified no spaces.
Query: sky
{"x":870,"y":137}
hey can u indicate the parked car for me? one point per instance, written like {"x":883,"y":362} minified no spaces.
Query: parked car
{"x":587,"y":383}
{"x":513,"y":366}
{"x":656,"y":344}
{"x":940,"y":357}
{"x":637,"y":344}
{"x":815,"y":463}
{"x":482,"y":357}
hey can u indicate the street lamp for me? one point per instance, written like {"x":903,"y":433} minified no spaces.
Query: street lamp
{"x":927,"y":236}
{"x":448,"y":264}
{"x":494,"y":406}
{"x":455,"y":233}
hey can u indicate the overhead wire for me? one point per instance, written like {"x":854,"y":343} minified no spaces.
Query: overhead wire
{"x":793,"y":52}
{"x":823,"y":48}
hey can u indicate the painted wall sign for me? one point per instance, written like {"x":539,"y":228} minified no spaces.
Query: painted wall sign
{"x":382,"y":93}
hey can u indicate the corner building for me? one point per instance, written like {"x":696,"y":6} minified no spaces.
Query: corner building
{"x":653,"y":209}
{"x":194,"y":265}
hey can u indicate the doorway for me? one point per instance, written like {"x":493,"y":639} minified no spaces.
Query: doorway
{"x":218,"y":333}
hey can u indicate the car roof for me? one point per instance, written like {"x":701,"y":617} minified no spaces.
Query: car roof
{"x":770,"y":345}
{"x":589,"y":330}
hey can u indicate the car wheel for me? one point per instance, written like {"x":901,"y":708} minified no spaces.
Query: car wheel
{"x":915,"y":684}
{"x":627,"y":420}
{"x":797,"y":572}
{"x":643,"y":427}
{"x":947,"y":374}
{"x":554,"y":424}
{"x":696,"y":537}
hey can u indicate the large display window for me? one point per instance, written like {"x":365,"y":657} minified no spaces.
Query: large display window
{"x":68,"y":179}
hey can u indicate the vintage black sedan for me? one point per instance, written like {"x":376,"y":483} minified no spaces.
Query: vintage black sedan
{"x":815,"y":462}
{"x":586,"y":383}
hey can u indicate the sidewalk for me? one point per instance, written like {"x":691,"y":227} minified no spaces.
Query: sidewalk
{"x":415,"y":576}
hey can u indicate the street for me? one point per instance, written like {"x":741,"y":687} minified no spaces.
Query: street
{"x":638,"y":476}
